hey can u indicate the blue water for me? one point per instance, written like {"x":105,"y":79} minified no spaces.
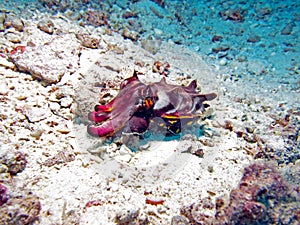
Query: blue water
{"x":195,"y":23}
{"x":257,"y":36}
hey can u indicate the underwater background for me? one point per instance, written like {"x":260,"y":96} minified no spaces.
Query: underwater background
{"x":247,"y":150}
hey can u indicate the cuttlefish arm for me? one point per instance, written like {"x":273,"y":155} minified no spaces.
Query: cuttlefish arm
{"x":112,"y":117}
{"x":176,"y":102}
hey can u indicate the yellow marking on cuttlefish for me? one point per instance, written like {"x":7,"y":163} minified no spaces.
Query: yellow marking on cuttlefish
{"x":176,"y":117}
{"x":180,"y":117}
{"x":172,"y":121}
{"x":108,"y":109}
{"x":190,"y":123}
{"x":148,"y":103}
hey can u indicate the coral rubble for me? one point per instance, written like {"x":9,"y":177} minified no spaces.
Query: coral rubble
{"x":262,"y":197}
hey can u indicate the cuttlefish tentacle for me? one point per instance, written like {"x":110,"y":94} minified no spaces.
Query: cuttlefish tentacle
{"x":114,"y":115}
{"x":137,"y":103}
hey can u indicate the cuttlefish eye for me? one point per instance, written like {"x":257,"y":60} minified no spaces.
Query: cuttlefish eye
{"x":205,"y":105}
{"x":197,"y":106}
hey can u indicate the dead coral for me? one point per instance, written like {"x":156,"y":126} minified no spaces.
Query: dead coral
{"x":88,"y":41}
{"x":129,"y":14}
{"x":15,"y":22}
{"x":179,"y":220}
{"x":216,"y":38}
{"x":132,"y":35}
{"x":2,"y":19}
{"x":233,"y":14}
{"x":161,"y":68}
{"x":96,"y":18}
{"x":262,"y":197}
{"x":59,"y":158}
{"x":286,"y":127}
{"x":15,"y":163}
{"x":261,"y":194}
{"x":127,"y":217}
{"x":46,"y":25}
{"x":3,"y":194}
{"x":58,"y":57}
{"x":200,"y":213}
{"x":20,"y":210}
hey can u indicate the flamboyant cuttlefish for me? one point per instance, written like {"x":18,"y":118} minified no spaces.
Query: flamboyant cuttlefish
{"x":137,"y":104}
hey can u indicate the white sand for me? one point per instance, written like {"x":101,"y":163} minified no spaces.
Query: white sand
{"x":97,"y":171}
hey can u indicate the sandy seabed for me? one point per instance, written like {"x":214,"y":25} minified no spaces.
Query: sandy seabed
{"x":70,"y":177}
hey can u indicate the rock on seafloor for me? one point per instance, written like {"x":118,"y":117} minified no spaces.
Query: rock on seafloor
{"x":15,"y":22}
{"x":288,"y":29}
{"x":46,"y":26}
{"x":262,"y":197}
{"x":50,"y":61}
{"x":20,"y":210}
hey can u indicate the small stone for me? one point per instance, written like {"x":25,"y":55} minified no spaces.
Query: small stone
{"x":151,"y":46}
{"x":123,"y":158}
{"x":179,"y":220}
{"x":59,"y":158}
{"x":210,"y":169}
{"x":54,"y":106}
{"x":3,"y":168}
{"x":18,"y":24}
{"x":199,"y":153}
{"x":222,"y":54}
{"x":208,"y":132}
{"x":207,"y":142}
{"x":63,"y":129}
{"x":13,"y":37}
{"x":263,"y":11}
{"x":46,"y":25}
{"x":126,"y":217}
{"x":249,"y":130}
{"x":241,"y":58}
{"x":288,"y":29}
{"x":216,"y":38}
{"x":6,"y":64}
{"x":251,"y":138}
{"x":126,"y":194}
{"x":4,"y":89}
{"x":14,"y":22}
{"x":15,"y":163}
{"x":253,"y":39}
{"x":96,"y":18}
{"x":2,"y":19}
{"x":88,"y":41}
{"x":223,"y":62}
{"x":3,"y":194}
{"x":37,"y":134}
{"x":132,"y":35}
{"x":158,"y":32}
{"x":20,"y":97}
{"x":66,"y":102}
{"x":244,"y":118}
{"x":221,"y":48}
{"x":35,"y":114}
